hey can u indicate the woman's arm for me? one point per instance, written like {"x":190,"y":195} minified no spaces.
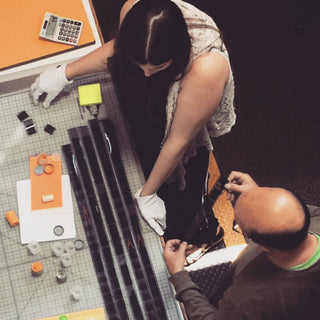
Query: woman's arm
{"x":93,"y":62}
{"x":199,"y":98}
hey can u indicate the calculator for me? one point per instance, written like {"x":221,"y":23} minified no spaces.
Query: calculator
{"x":60,"y":29}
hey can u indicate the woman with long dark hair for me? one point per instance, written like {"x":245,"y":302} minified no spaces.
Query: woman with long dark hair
{"x":176,"y":90}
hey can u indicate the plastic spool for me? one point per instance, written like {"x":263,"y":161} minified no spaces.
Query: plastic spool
{"x":33,"y":247}
{"x":70,"y":248}
{"x":66,"y":260}
{"x":76,"y":292}
{"x":57,"y":249}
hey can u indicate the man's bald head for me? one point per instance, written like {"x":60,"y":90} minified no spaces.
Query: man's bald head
{"x":273,"y":217}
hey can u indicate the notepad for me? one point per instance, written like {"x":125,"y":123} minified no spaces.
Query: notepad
{"x":90,"y":94}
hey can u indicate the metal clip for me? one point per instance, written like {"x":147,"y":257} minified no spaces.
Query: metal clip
{"x":109,"y":142}
{"x":75,"y":165}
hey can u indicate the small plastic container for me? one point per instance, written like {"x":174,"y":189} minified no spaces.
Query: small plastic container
{"x":42,"y":159}
{"x":55,"y":157}
{"x":70,"y":248}
{"x":33,"y":247}
{"x":12,"y":218}
{"x":66,"y":260}
{"x":57,"y":249}
{"x":76,"y":292}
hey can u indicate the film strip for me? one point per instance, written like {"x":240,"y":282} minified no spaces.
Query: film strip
{"x":109,"y":216}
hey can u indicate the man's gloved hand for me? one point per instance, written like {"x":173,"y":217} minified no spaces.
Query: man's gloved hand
{"x":153,"y":210}
{"x":51,"y":81}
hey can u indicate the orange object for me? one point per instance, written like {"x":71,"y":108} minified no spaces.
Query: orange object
{"x":24,"y":19}
{"x":48,"y":168}
{"x":45,"y":184}
{"x":37,"y":268}
{"x":42,"y":159}
{"x":12,"y":218}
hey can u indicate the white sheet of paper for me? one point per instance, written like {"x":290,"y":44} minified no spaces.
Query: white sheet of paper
{"x":38,"y":225}
{"x":216,"y":257}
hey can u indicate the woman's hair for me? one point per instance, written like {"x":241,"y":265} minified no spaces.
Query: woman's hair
{"x":154,"y":31}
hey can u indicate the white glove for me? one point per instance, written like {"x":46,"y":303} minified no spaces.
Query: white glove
{"x":51,"y":81}
{"x":153,"y":210}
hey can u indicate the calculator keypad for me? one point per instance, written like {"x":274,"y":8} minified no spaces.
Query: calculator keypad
{"x":69,"y":31}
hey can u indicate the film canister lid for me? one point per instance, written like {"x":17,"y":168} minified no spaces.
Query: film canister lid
{"x":58,"y":230}
{"x":38,"y":170}
{"x":37,"y":268}
{"x":78,"y":244}
{"x":48,"y":168}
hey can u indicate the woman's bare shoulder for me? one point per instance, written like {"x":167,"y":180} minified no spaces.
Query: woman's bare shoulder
{"x":211,"y":66}
{"x":125,"y":8}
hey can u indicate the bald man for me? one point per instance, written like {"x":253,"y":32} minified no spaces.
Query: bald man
{"x":277,"y":276}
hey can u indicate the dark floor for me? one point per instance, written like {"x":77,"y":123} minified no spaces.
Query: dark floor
{"x":275,"y":56}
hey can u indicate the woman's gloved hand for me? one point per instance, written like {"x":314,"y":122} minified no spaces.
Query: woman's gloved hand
{"x":153,"y":210}
{"x":51,"y":81}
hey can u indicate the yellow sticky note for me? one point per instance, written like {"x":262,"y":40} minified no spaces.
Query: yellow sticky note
{"x":90,"y":94}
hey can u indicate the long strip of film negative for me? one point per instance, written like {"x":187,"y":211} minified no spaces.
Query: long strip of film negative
{"x":98,"y":245}
{"x":97,"y":165}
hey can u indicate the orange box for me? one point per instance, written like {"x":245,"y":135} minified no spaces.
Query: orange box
{"x":12,"y":218}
